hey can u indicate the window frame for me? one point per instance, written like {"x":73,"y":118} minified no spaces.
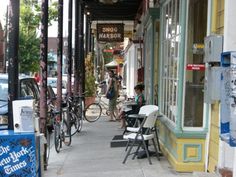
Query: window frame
{"x":169,"y":78}
{"x":204,"y":124}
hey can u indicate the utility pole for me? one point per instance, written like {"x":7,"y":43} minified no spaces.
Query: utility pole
{"x":14,"y":10}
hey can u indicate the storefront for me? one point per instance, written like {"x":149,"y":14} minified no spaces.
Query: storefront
{"x":184,"y":124}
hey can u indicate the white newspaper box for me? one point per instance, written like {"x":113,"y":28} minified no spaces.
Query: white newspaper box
{"x":23,"y":115}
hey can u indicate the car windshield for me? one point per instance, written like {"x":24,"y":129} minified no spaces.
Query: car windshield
{"x":3,"y":89}
{"x":53,"y":83}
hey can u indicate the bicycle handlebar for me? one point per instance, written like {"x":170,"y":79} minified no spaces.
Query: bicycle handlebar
{"x":77,"y":96}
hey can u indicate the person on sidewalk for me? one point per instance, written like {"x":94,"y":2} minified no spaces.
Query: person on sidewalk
{"x":37,"y":77}
{"x":140,"y":101}
{"x":112,"y":83}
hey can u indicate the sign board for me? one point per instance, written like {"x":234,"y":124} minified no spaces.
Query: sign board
{"x":113,"y":32}
{"x":23,"y":115}
{"x":195,"y":67}
{"x":198,"y":49}
{"x":17,"y":154}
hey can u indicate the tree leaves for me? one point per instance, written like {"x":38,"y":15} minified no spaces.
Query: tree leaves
{"x":29,"y":40}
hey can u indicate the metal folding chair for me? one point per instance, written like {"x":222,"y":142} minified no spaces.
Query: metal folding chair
{"x":140,"y":135}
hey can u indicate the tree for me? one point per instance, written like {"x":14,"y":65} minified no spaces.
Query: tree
{"x":29,"y":42}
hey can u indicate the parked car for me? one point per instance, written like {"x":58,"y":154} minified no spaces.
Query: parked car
{"x":28,"y":88}
{"x":52,"y":81}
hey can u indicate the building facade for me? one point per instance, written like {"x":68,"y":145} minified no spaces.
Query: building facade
{"x":174,"y":34}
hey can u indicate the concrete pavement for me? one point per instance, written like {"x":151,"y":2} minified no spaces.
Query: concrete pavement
{"x":90,"y":155}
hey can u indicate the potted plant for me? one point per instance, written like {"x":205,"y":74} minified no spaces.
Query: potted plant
{"x":90,"y":87}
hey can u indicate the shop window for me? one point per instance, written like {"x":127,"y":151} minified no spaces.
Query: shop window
{"x":170,"y":59}
{"x":141,"y":75}
{"x":194,"y":77}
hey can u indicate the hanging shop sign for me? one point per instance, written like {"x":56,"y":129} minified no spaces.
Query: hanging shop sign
{"x":110,"y":32}
{"x":196,"y":67}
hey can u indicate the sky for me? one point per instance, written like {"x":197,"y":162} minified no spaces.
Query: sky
{"x":3,"y":8}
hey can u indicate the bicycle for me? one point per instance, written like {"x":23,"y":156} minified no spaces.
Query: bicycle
{"x":52,"y":113}
{"x":94,"y":110}
{"x":74,"y":106}
{"x":62,"y":132}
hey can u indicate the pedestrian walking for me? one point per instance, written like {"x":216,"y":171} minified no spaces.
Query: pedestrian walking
{"x":112,"y":94}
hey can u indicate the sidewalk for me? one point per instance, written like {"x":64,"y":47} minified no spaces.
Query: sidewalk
{"x":90,"y":155}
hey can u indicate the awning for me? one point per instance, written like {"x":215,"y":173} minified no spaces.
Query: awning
{"x":111,"y":64}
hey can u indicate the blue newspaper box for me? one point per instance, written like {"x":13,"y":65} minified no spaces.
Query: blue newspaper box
{"x":17,"y":154}
{"x":228,"y":98}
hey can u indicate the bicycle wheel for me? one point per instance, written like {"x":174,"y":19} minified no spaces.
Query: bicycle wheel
{"x":93,"y":112}
{"x":57,"y":137}
{"x":73,"y":123}
{"x":66,"y":133}
{"x":79,"y":121}
{"x":46,"y":148}
{"x":80,"y":116}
